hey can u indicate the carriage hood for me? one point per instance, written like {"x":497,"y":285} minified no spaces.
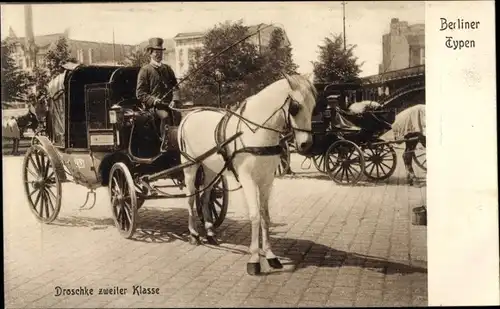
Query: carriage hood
{"x":57,"y":97}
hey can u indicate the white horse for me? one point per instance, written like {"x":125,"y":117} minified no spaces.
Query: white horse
{"x":285,"y":105}
{"x":410,"y":125}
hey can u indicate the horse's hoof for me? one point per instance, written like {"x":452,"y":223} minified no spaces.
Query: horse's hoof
{"x":212,"y":241}
{"x":253,"y":269}
{"x":194,"y":240}
{"x":275,"y":263}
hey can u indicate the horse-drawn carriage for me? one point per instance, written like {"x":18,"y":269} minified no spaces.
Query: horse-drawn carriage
{"x":347,"y":144}
{"x":98,"y":135}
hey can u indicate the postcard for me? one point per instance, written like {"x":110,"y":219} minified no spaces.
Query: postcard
{"x":249,"y":154}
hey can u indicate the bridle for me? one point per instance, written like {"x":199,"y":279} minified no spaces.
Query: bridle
{"x":294,"y":107}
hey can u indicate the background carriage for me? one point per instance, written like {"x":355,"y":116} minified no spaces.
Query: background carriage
{"x":98,"y":136}
{"x":348,"y":145}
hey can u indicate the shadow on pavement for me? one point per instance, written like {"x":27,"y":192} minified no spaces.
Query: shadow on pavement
{"x":165,"y":225}
{"x":305,"y":253}
{"x":391,"y":181}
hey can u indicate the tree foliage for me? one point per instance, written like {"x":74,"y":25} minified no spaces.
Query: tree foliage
{"x":138,"y":57}
{"x":39,"y":79}
{"x":58,"y":55}
{"x":245,"y":70}
{"x":15,"y":85}
{"x":335,"y":63}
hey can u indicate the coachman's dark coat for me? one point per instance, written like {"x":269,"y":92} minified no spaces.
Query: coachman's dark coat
{"x":150,"y":86}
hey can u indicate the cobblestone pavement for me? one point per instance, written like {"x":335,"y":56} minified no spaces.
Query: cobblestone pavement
{"x":341,"y":246}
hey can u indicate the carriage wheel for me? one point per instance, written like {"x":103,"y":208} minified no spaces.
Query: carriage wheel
{"x":219,"y":199}
{"x":42,"y":184}
{"x":420,"y":157}
{"x":344,"y":162}
{"x":380,"y":161}
{"x":123,"y":196}
{"x":319,"y":163}
{"x":285,"y":158}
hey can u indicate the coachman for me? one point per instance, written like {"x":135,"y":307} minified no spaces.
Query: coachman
{"x":157,"y":87}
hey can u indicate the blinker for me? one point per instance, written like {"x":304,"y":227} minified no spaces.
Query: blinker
{"x":294,"y":108}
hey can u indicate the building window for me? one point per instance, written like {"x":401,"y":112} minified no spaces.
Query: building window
{"x":91,"y":58}
{"x":422,"y":56}
{"x":79,"y":55}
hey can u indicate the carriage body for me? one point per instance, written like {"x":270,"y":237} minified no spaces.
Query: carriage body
{"x":98,"y":135}
{"x":93,"y":123}
{"x":347,"y":145}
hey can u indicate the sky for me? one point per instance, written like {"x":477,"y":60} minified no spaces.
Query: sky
{"x":306,"y":23}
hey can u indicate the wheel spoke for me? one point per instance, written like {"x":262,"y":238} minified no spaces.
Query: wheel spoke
{"x":127,"y":214}
{"x":50,"y":200}
{"x":116,"y":186}
{"x":382,"y":163}
{"x":34,"y":191}
{"x":346,"y":174}
{"x":215,"y":215}
{"x":31,"y":172}
{"x":371,"y":171}
{"x":50,"y":191}
{"x":39,"y":195}
{"x":30,"y":158}
{"x":51,"y":175}
{"x":38,"y":162}
{"x":350,"y":169}
{"x":45,"y":164}
{"x":46,"y":198}
{"x":343,"y":176}
{"x":40,"y":212}
{"x":119,"y":212}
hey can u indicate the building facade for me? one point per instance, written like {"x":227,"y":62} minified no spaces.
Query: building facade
{"x":85,"y":52}
{"x":30,"y":51}
{"x":186,"y":43}
{"x":403,"y":47}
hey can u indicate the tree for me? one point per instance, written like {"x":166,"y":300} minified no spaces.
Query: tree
{"x":245,"y":71}
{"x":39,"y":79}
{"x":279,"y":55}
{"x":138,"y":58}
{"x":335,"y":63}
{"x":15,"y":83}
{"x":58,"y":55}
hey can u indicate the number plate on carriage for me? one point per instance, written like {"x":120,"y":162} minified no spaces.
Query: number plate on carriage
{"x":101,"y":139}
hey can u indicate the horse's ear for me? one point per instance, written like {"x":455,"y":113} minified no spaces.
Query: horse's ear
{"x":289,"y":80}
{"x":308,"y":76}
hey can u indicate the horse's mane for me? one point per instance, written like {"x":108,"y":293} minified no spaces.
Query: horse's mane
{"x":304,"y":84}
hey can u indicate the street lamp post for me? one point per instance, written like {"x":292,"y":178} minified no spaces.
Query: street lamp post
{"x":219,"y":76}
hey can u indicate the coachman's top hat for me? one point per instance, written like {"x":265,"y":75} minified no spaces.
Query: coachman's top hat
{"x":155,"y":43}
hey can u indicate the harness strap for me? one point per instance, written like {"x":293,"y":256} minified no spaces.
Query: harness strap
{"x":220,"y":137}
{"x":262,"y":151}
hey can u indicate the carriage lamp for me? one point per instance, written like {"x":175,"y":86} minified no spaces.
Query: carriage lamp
{"x":112,"y":117}
{"x":114,"y":113}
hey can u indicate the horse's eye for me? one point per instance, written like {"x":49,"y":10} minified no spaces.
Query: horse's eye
{"x":294,"y":108}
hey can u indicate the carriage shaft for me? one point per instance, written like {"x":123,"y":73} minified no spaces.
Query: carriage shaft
{"x":164,"y":196}
{"x":175,"y":169}
{"x":394,"y":141}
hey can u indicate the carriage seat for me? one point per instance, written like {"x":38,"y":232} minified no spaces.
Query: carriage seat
{"x":340,"y":122}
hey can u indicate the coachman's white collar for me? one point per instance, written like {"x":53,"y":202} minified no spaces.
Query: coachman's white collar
{"x":155,"y":64}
